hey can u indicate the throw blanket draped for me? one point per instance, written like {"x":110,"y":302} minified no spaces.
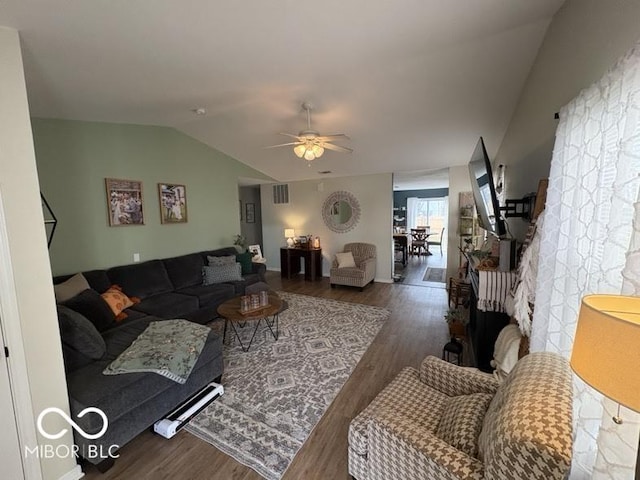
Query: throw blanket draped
{"x":169,"y":348}
{"x":493,"y":289}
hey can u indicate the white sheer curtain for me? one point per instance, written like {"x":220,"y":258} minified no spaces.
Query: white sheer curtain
{"x":587,"y":246}
{"x":412,"y":212}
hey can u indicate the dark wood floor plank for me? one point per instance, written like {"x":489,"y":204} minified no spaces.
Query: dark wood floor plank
{"x":415,"y":329}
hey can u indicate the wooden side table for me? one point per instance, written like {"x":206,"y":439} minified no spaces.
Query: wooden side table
{"x":290,"y":262}
{"x":230,"y":311}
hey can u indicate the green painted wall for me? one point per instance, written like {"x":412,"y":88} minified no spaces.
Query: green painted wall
{"x":73,"y":160}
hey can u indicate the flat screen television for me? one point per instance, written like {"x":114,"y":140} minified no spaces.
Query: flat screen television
{"x":484,"y":191}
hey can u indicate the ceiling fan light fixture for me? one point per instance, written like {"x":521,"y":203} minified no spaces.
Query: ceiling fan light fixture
{"x":300,"y":150}
{"x":317,"y":151}
{"x":309,"y":155}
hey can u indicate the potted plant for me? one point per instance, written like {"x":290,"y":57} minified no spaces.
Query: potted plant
{"x":240,"y":241}
{"x":457,"y":319}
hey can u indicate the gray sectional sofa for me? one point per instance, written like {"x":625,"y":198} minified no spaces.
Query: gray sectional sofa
{"x":167,"y":289}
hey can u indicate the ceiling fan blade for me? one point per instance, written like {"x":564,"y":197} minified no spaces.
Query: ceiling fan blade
{"x":336,"y":148}
{"x":290,"y":135}
{"x":284,"y":144}
{"x":335,"y":136}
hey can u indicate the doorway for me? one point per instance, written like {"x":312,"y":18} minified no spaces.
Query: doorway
{"x":420,"y":202}
{"x":250,"y":214}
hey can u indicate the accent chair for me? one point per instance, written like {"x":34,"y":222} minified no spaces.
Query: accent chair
{"x":361,"y":273}
{"x":445,"y":422}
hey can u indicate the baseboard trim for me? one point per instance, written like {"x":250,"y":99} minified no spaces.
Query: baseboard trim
{"x":383,"y":280}
{"x":74,"y":474}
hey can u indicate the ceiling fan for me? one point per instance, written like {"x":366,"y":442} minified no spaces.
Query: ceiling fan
{"x":310,"y":144}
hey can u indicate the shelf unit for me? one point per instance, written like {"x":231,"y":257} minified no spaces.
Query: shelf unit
{"x":468,"y":227}
{"x":400,"y":212}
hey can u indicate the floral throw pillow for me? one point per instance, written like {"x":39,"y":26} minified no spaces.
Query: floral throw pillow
{"x":118,"y":301}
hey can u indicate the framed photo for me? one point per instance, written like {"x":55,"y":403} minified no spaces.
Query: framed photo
{"x":250,"y":212}
{"x":173,"y":203}
{"x":255,"y":250}
{"x":124,"y":202}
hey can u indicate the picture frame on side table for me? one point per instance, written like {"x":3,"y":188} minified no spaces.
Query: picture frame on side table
{"x":124,"y":202}
{"x":173,"y":203}
{"x":255,"y":251}
{"x":250,"y":212}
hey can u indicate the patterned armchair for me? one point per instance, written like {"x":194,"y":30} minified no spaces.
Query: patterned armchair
{"x":363,"y":273}
{"x":446,"y":422}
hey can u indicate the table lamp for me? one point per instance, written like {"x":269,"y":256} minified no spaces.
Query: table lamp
{"x":289,"y":233}
{"x":606,"y":352}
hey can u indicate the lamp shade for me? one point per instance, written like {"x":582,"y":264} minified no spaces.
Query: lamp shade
{"x":289,"y":232}
{"x":606,"y":348}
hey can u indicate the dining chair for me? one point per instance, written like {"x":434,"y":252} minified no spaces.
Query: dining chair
{"x":436,"y":242}
{"x":418,"y":241}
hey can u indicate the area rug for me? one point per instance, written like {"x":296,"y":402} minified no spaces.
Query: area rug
{"x":277,"y":391}
{"x":434,"y":274}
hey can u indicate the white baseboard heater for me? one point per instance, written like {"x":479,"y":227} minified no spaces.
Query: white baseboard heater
{"x":172,"y":423}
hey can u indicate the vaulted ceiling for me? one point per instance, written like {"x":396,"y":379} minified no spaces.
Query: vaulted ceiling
{"x":412,"y":82}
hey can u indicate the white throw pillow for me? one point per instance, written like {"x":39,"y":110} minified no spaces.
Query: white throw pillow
{"x":345,"y":260}
{"x":505,"y":354}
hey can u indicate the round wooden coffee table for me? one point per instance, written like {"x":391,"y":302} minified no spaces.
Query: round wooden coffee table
{"x":230,"y":311}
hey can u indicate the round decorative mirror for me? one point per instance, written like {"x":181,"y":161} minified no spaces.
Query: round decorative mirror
{"x":341,"y":212}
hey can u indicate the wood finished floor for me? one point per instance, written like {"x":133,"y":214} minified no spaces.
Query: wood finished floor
{"x":415,"y":329}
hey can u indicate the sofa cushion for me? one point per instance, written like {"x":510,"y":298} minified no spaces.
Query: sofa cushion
{"x":185,"y":270}
{"x":220,"y":252}
{"x":244,"y":259}
{"x":221,"y":273}
{"x":461,"y":421}
{"x":70,"y":288}
{"x":210,"y":295}
{"x":80,"y":334}
{"x":221,"y":260}
{"x":141,"y":279}
{"x":168,"y":305}
{"x":90,"y":304}
{"x":117,"y":395}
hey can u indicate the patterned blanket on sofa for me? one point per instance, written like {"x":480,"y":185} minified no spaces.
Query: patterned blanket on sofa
{"x":169,"y":348}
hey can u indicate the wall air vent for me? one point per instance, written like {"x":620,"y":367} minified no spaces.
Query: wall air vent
{"x":281,"y":194}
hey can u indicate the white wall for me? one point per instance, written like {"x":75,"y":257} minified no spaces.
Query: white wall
{"x":458,"y":182}
{"x":304,"y":214}
{"x":31,"y":327}
{"x":584,"y":39}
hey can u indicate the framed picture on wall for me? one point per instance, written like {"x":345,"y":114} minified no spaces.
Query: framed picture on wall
{"x":124,"y":202}
{"x":173,"y":203}
{"x":250,"y":212}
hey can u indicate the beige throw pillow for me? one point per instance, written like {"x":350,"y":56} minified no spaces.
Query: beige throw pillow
{"x":70,"y":288}
{"x":345,"y":260}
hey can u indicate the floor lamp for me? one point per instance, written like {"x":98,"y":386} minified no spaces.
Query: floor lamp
{"x":606,"y":348}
